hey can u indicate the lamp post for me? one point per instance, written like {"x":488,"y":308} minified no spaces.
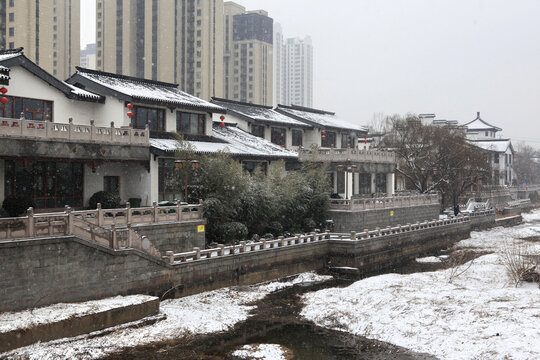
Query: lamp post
{"x":186,"y":164}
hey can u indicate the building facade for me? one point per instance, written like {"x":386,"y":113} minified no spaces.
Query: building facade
{"x":248,"y":55}
{"x":178,"y":41}
{"x":293,"y":70}
{"x":49,"y":32}
{"x":88,"y":57}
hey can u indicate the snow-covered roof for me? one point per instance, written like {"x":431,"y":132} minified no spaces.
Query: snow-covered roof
{"x":318,"y":118}
{"x":258,"y":113}
{"x":83,"y":93}
{"x":15,"y":57}
{"x":479,"y":124}
{"x":140,"y":89}
{"x":498,"y":145}
{"x":235,"y":141}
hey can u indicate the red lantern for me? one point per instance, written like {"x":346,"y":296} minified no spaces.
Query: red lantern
{"x":3,"y":100}
{"x":129,"y":106}
{"x":365,"y":139}
{"x":130,"y":114}
{"x":222,"y":124}
{"x":323,"y":132}
{"x":3,"y":90}
{"x":222,"y":117}
{"x":323,"y":137}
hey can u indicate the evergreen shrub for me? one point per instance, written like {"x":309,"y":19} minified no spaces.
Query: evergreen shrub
{"x":107,"y":199}
{"x":16,"y":205}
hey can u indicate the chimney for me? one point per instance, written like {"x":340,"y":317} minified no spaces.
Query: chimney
{"x":478,"y":114}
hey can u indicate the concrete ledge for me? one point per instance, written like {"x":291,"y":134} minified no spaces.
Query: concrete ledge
{"x":78,"y":325}
{"x":509,"y":221}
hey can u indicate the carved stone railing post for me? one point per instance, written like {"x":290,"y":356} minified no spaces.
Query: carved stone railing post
{"x":99,"y":215}
{"x":128,"y":213}
{"x":130,"y":234}
{"x":156,"y":210}
{"x":114,"y":240}
{"x":221,"y":250}
{"x":30,"y":226}
{"x":353,"y":235}
{"x":242,"y":246}
{"x":197,"y":253}
{"x":170,"y":256}
{"x":281,"y":241}
{"x":313,"y":236}
{"x":263,"y":244}
{"x":69,"y":224}
{"x":178,"y":210}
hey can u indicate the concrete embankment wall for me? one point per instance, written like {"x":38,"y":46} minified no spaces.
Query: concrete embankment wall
{"x":347,"y":220}
{"x":39,"y":272}
{"x":376,"y":254}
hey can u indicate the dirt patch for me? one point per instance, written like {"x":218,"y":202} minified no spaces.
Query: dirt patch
{"x":535,"y":238}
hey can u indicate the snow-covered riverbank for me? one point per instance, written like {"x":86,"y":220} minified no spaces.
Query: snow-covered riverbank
{"x":479,"y":314}
{"x":192,"y":315}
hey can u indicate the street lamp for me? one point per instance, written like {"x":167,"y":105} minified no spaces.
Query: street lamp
{"x":186,"y":164}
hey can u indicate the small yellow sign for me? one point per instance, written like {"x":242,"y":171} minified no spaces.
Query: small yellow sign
{"x":200,"y":228}
{"x":391,"y":212}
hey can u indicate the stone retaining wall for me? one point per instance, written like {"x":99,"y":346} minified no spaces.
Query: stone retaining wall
{"x":78,"y":325}
{"x":39,"y":272}
{"x":347,"y":220}
{"x":174,"y":236}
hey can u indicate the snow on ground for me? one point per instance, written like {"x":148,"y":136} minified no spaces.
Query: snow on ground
{"x":198,"y":314}
{"x":261,"y":351}
{"x":475,"y":315}
{"x":28,"y":318}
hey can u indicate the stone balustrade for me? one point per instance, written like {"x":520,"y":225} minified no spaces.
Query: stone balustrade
{"x":21,"y":128}
{"x":61,"y":223}
{"x":281,"y":242}
{"x":348,"y":154}
{"x":384,"y":202}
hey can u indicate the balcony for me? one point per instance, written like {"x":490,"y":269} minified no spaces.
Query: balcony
{"x":347,"y":155}
{"x":29,"y":129}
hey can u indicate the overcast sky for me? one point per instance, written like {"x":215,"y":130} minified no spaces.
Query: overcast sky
{"x":452,"y":57}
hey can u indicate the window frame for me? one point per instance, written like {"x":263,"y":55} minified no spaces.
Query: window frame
{"x":200,"y":119}
{"x":278,"y":136}
{"x":297,"y":137}
{"x":47,"y":108}
{"x":160,"y":121}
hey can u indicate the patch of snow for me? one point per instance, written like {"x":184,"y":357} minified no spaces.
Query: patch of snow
{"x":235,"y":142}
{"x":148,"y":90}
{"x":261,"y":351}
{"x":493,"y":145}
{"x":83,"y":93}
{"x":28,"y":318}
{"x":429,"y":259}
{"x":477,"y":315}
{"x":203,"y":313}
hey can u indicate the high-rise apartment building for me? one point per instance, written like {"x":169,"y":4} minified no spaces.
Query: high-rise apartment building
{"x":178,"y":41}
{"x":248,"y":55}
{"x":48,"y":30}
{"x":293,"y":81}
{"x":88,"y":57}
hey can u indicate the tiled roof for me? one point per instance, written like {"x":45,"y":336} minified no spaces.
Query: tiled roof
{"x":319,"y":117}
{"x":236,"y":142}
{"x":481,"y":125}
{"x":141,"y":89}
{"x":258,"y":113}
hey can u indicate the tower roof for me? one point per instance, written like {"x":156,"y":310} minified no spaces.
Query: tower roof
{"x":480,"y":125}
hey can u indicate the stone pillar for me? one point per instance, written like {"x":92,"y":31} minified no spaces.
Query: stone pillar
{"x":390,"y":184}
{"x":349,"y":184}
{"x":356,"y":189}
{"x":373,"y":183}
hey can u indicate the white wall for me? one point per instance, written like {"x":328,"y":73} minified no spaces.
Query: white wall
{"x":133,"y":177}
{"x":26,"y":84}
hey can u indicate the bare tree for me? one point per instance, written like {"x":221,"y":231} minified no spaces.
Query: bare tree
{"x":527,"y":170}
{"x":436,"y":158}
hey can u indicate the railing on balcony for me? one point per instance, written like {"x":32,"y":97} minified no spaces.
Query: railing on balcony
{"x":384,"y":202}
{"x":22,"y":128}
{"x":348,"y":154}
{"x":61,"y":223}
